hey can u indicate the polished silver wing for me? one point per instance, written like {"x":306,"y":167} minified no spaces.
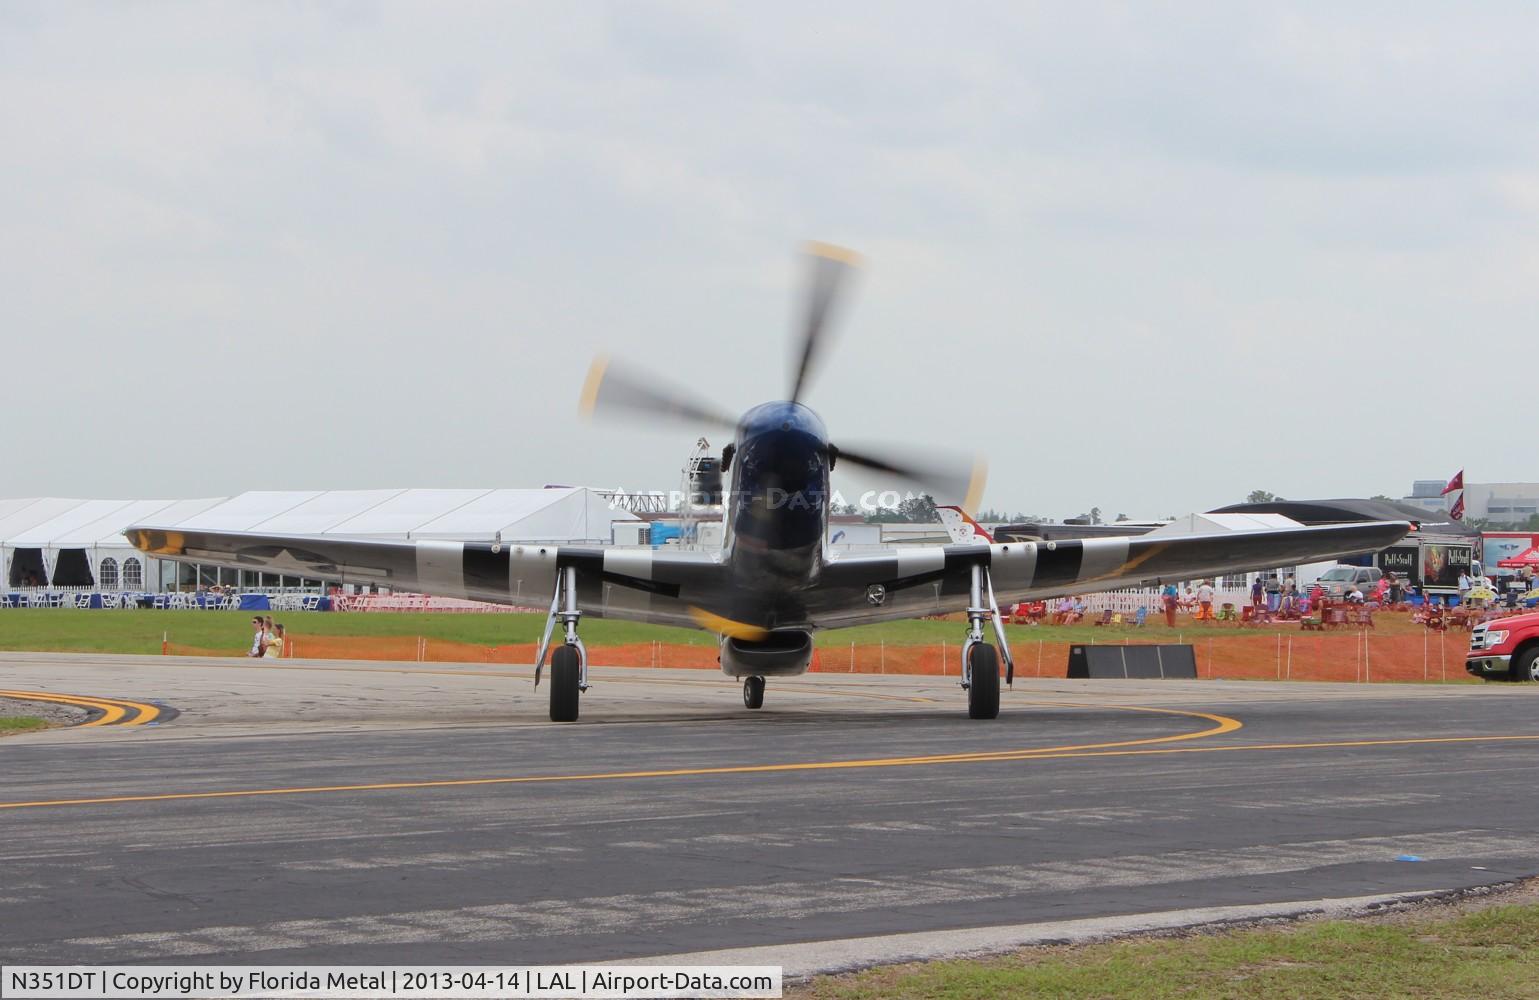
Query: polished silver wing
{"x":694,"y":588}
{"x":918,"y":580}
{"x":662,"y":586}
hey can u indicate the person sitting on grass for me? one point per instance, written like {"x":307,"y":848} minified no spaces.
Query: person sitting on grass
{"x":1205,"y":602}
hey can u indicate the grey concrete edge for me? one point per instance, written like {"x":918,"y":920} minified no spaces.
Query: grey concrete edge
{"x":811,"y":958}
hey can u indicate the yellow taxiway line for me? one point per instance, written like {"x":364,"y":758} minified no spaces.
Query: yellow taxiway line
{"x":114,"y":710}
{"x":1220,"y":724}
{"x":1122,"y":748}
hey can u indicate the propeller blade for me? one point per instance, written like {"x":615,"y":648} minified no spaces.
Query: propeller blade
{"x":830,"y":265}
{"x":945,"y":479}
{"x":613,"y":389}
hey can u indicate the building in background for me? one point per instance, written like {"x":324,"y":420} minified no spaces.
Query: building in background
{"x":1427,"y":495}
{"x":1499,"y":504}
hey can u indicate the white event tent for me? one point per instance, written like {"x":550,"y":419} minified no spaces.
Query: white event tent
{"x":79,"y":543}
{"x":68,"y":542}
{"x":1218,"y":524}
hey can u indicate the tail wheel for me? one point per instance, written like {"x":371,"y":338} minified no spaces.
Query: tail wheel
{"x":983,"y":690}
{"x":1525,"y":666}
{"x":565,"y":672}
{"x":753,"y":692}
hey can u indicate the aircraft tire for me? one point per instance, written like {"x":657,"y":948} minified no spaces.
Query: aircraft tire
{"x":983,"y":692}
{"x":565,"y":670}
{"x":753,"y":692}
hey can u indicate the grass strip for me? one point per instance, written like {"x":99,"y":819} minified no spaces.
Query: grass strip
{"x":70,"y":630}
{"x":1489,"y":953}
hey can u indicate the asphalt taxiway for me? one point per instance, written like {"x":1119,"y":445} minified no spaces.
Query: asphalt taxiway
{"x":338,"y":813}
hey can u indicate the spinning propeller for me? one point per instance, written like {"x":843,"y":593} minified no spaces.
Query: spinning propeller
{"x":613,"y":388}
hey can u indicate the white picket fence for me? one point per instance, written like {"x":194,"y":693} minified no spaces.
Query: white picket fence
{"x":416,"y":602}
{"x":1129,"y":601}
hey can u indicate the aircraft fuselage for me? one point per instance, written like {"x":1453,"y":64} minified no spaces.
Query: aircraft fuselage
{"x":777,"y":504}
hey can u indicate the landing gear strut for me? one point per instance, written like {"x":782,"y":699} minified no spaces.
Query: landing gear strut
{"x":980,"y":661}
{"x":569,"y":661}
{"x":753,"y":692}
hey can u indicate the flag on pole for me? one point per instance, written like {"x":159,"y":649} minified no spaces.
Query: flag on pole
{"x":1456,"y":483}
{"x":1457,"y":512}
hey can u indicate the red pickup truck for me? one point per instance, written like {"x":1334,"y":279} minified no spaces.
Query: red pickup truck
{"x":1505,"y":649}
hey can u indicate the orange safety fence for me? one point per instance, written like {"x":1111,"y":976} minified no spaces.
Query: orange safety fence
{"x":1331,"y":656}
{"x":344,"y":647}
{"x":1340,"y":656}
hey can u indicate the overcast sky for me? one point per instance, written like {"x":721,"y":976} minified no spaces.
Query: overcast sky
{"x":1147,"y":258}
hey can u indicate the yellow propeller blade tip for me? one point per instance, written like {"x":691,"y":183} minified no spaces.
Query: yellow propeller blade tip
{"x":590,"y":386}
{"x":975,"y":485}
{"x":829,"y":251}
{"x":726,"y":626}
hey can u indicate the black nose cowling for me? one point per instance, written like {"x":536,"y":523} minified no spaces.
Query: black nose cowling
{"x":782,"y":461}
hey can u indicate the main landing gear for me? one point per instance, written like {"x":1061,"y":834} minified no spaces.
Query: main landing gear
{"x":569,"y":661}
{"x":980,"y":661}
{"x":566,"y":667}
{"x":753,"y":692}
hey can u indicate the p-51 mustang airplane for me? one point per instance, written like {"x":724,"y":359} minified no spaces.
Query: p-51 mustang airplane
{"x":774,"y":581}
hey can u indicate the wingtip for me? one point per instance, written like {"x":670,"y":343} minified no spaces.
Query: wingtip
{"x":156,"y":541}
